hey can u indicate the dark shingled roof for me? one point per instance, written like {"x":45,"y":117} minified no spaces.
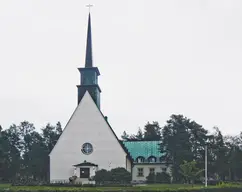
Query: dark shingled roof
{"x":85,"y":164}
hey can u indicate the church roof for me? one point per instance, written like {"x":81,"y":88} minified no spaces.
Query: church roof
{"x":85,"y":164}
{"x":144,"y":149}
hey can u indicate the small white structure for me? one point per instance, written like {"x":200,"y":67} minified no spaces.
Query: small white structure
{"x":88,"y":143}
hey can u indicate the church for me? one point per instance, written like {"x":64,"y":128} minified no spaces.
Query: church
{"x":88,"y":142}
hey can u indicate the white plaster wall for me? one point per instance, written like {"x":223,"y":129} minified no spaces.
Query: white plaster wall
{"x":86,"y":125}
{"x":146,"y":167}
{"x":129,"y":166}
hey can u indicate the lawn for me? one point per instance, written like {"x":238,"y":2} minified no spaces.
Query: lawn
{"x":135,"y":188}
{"x":4,"y":186}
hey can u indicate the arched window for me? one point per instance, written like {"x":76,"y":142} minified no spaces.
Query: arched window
{"x":140,"y":159}
{"x":152,"y":159}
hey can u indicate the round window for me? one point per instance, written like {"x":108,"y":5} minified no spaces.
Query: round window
{"x":87,"y":148}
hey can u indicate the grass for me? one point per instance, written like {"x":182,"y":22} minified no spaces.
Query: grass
{"x":135,"y":188}
{"x":150,"y":187}
{"x":4,"y":186}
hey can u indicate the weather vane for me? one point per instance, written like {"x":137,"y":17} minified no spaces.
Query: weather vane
{"x":89,"y":6}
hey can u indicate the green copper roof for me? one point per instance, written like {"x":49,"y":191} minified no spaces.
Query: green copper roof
{"x":143,"y":148}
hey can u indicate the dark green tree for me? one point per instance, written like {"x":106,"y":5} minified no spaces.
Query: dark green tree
{"x":220,"y":151}
{"x":51,"y":135}
{"x":160,"y":177}
{"x":102,"y":176}
{"x":183,"y":139}
{"x":139,"y":136}
{"x":120,"y":175}
{"x":152,"y":131}
{"x":234,"y":154}
{"x":2,"y":156}
{"x":12,"y":144}
{"x":125,"y":136}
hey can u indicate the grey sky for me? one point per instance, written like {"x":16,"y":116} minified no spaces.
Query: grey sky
{"x":155,"y":57}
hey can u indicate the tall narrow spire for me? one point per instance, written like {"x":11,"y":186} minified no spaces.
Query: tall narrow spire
{"x":89,"y":74}
{"x":88,"y":62}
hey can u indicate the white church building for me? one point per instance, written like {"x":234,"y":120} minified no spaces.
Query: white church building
{"x":88,"y":142}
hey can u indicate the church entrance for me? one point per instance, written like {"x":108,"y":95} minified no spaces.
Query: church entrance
{"x":87,"y":170}
{"x":84,"y":172}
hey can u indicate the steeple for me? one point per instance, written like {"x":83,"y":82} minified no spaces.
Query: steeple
{"x":89,"y":74}
{"x":88,"y":62}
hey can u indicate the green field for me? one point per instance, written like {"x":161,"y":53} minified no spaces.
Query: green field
{"x":147,"y":188}
{"x":134,"y":188}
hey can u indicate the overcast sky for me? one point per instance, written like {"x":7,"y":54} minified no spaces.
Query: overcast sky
{"x":156,"y":58}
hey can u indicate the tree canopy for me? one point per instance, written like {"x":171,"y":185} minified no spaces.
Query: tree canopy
{"x":24,"y":150}
{"x":183,"y":139}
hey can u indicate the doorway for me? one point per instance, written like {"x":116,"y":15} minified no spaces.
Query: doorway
{"x":84,"y":172}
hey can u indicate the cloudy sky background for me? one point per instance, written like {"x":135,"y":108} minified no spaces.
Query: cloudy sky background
{"x":156,"y":58}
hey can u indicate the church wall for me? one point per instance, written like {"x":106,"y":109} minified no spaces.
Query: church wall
{"x":146,"y":170}
{"x":86,"y":125}
{"x":129,"y":165}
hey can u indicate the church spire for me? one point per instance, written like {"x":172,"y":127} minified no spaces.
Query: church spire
{"x":88,"y":62}
{"x":89,"y":73}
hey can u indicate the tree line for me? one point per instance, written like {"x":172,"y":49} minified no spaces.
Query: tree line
{"x":182,"y":139}
{"x":24,"y":150}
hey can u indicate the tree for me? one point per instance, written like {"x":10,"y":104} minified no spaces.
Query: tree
{"x":116,"y":175}
{"x":139,"y":136}
{"x":160,"y":177}
{"x":36,"y":158}
{"x":2,"y":156}
{"x":234,"y":154}
{"x":219,"y":151}
{"x":182,"y":139}
{"x":152,"y":131}
{"x":24,"y":151}
{"x":51,"y":135}
{"x":125,"y":136}
{"x":12,"y":145}
{"x":190,"y":171}
{"x":121,"y":175}
{"x":102,"y":176}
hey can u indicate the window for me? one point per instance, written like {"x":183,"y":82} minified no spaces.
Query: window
{"x":162,"y":159}
{"x":164,"y":169}
{"x":140,"y":159}
{"x":152,"y":159}
{"x":87,"y":148}
{"x":152,"y":170}
{"x":140,"y":172}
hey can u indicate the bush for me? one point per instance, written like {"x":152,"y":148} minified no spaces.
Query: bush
{"x":121,"y":175}
{"x":158,"y":178}
{"x":27,"y":182}
{"x":115,"y":176}
{"x":102,"y":176}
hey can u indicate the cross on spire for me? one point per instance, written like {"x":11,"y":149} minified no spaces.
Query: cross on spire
{"x":89,"y":7}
